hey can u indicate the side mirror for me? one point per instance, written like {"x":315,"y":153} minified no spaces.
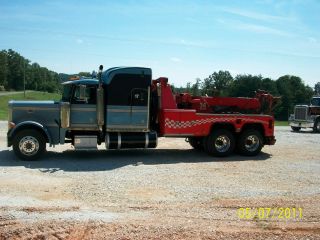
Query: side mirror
{"x":82,"y":93}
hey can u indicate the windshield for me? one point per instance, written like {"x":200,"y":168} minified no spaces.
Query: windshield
{"x":66,"y":92}
{"x":315,"y":101}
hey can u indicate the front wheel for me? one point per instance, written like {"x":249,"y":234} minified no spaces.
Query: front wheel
{"x":250,"y":142}
{"x":295,"y":129}
{"x":29,"y":144}
{"x":219,"y":143}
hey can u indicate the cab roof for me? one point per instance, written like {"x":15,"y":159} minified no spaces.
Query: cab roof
{"x":83,"y":81}
{"x":111,"y":72}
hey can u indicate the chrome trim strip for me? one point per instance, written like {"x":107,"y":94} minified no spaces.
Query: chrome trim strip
{"x":36,"y":108}
{"x":83,"y":128}
{"x":84,"y":125}
{"x":127,"y":110}
{"x":83,"y":109}
{"x":126,"y":130}
{"x":148,"y":115}
{"x":126,"y":126}
{"x":119,"y":140}
{"x":178,"y":135}
{"x":107,"y":141}
{"x":9,"y":113}
{"x":301,"y":124}
{"x":65,"y":114}
{"x":147,"y":140}
{"x":235,"y":114}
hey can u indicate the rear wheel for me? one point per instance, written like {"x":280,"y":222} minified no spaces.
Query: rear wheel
{"x":220,"y":143}
{"x":316,"y":127}
{"x":29,"y":144}
{"x":296,"y":129}
{"x":250,"y":142}
{"x":196,"y":142}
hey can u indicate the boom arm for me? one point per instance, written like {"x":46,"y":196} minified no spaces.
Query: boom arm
{"x":263,"y":102}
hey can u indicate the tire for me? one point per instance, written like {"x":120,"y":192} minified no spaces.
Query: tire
{"x":296,"y":129}
{"x":250,"y":142}
{"x":316,"y":127}
{"x":29,"y":144}
{"x":220,"y":143}
{"x":195,"y":142}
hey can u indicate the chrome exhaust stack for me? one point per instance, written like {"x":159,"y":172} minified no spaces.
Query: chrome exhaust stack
{"x":100,"y":101}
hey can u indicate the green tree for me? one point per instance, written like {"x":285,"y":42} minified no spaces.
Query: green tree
{"x":270,"y":86}
{"x":217,"y":83}
{"x":16,"y":68}
{"x":222,"y":82}
{"x":195,"y":88}
{"x":208,"y":86}
{"x":245,"y":85}
{"x":4,"y":69}
{"x":292,"y":91}
{"x":188,"y":88}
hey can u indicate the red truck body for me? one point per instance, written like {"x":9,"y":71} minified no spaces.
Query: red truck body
{"x":198,"y":120}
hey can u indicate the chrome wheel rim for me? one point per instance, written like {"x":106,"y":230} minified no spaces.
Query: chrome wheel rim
{"x":252,"y":143}
{"x":29,"y":145}
{"x":222,"y":143}
{"x":318,"y":126}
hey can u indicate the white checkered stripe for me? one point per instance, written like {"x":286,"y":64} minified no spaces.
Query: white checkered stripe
{"x":185,"y":124}
{"x":169,"y":123}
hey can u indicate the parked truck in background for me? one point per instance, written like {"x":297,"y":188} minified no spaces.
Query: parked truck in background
{"x":306,"y":116}
{"x":125,"y":108}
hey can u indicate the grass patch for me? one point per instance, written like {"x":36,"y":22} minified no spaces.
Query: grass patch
{"x":281,"y":123}
{"x":29,"y":96}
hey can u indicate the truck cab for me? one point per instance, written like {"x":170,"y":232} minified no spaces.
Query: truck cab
{"x":306,"y":116}
{"x":90,"y":112}
{"x":125,"y":108}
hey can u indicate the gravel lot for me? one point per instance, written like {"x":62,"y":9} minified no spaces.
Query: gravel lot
{"x":170,"y":192}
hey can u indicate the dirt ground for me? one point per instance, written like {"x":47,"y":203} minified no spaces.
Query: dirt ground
{"x":172,"y":192}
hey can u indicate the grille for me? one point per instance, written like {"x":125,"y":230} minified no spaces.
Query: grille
{"x":300,"y":113}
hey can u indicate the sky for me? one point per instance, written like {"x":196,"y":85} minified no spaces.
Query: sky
{"x":182,"y":40}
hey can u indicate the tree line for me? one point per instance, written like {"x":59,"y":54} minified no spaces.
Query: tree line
{"x":17,"y":72}
{"x":291,"y":89}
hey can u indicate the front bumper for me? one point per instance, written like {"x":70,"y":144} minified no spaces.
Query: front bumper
{"x":302,"y":124}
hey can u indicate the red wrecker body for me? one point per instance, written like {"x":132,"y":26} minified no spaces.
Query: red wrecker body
{"x":235,"y":122}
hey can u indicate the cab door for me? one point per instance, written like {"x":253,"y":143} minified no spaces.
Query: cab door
{"x":83,"y":112}
{"x":139,"y":107}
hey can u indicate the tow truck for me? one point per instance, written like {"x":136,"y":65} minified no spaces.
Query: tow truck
{"x":124,"y":108}
{"x":306,"y":116}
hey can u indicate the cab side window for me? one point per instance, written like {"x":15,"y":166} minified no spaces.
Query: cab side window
{"x":90,"y":95}
{"x":315,"y":101}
